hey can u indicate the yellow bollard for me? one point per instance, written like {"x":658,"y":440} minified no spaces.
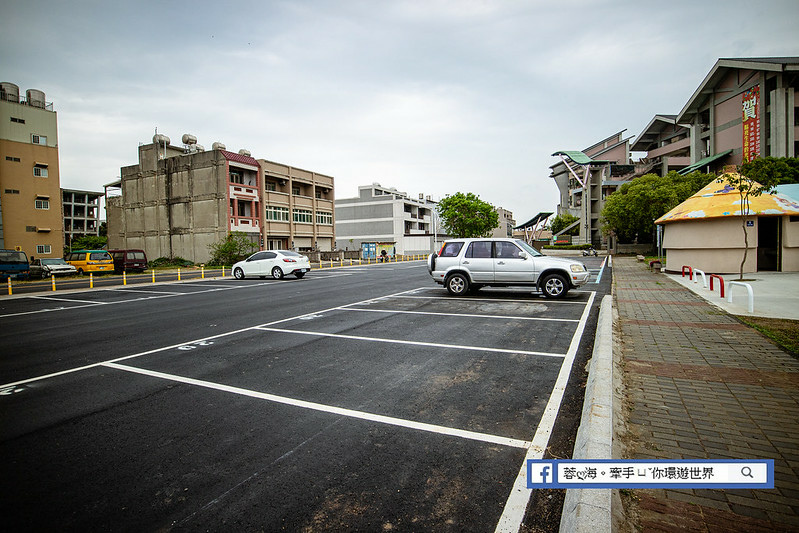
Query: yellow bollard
{"x":91,"y":280}
{"x":153,"y":275}
{"x":223,"y":271}
{"x":202,"y":272}
{"x":178,"y":274}
{"x":9,"y":285}
{"x":350,"y":262}
{"x":52,"y":278}
{"x":124,"y":277}
{"x":341,"y":262}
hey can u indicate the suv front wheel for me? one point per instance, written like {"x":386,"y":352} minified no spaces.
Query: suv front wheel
{"x":457,"y":284}
{"x":554,"y":286}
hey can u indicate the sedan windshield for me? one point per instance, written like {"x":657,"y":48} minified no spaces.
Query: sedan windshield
{"x":529,"y":249}
{"x":53,"y":262}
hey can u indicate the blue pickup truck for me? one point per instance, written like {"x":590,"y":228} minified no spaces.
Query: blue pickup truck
{"x":14,"y":265}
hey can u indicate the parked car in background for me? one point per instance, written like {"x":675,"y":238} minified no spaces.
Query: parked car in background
{"x":129,"y":260}
{"x":44,"y":268}
{"x":468,"y":264}
{"x":13,"y":265}
{"x":275,"y":263}
{"x":91,"y":261}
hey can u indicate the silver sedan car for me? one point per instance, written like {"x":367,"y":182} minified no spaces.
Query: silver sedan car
{"x":275,"y":263}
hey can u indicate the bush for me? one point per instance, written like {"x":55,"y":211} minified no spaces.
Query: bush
{"x":567,"y":246}
{"x":232,"y":249}
{"x":166,"y":262}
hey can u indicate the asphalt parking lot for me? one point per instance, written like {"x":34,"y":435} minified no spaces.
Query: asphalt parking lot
{"x":360,"y":398}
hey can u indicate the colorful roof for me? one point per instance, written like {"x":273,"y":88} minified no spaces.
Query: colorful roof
{"x":721,"y":199}
{"x":232,"y":156}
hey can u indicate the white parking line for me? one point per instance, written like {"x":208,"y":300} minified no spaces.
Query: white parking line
{"x":67,"y":300}
{"x":528,"y":301}
{"x":147,"y":292}
{"x":412,"y":343}
{"x":382,"y":419}
{"x":163,"y":348}
{"x":516,"y":504}
{"x":542,"y":319}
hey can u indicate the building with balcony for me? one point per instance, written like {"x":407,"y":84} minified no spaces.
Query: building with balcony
{"x":506,"y":224}
{"x":298,"y":208}
{"x":382,"y":218}
{"x":30,"y":190}
{"x":586,"y":177}
{"x":744,"y":108}
{"x":81,"y":214}
{"x":667,"y":146}
{"x":179,"y":200}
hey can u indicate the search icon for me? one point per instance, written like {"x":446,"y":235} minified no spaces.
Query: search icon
{"x":747,"y":472}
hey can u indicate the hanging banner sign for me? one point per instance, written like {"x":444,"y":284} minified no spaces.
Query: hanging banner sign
{"x":751,"y":123}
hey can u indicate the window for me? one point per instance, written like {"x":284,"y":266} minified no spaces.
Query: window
{"x":271,"y":186}
{"x":39,"y":139}
{"x":11,"y":191}
{"x":40,"y":171}
{"x":506,"y":250}
{"x":18,"y":120}
{"x":30,"y":229}
{"x":295,"y":190}
{"x":14,"y":159}
{"x":318,"y":194}
{"x":42,"y":204}
{"x":236,"y":177}
{"x":451,"y":249}
{"x":43,"y":249}
{"x":303,"y":215}
{"x":479,"y":250}
{"x":281,"y":214}
{"x":323,"y":217}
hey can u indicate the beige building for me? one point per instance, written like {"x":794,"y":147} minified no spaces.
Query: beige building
{"x":30,"y":190}
{"x":179,"y":200}
{"x":298,"y":208}
{"x":506,"y":224}
{"x":667,"y":146}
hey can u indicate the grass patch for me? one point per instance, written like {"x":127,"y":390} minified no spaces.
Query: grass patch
{"x":785,"y":333}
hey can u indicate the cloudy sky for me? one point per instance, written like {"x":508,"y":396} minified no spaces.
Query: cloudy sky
{"x":432,"y":96}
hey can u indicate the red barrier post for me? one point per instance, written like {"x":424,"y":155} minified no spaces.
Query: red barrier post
{"x":721,"y":284}
{"x":690,"y":272}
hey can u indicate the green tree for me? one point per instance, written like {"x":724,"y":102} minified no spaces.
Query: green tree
{"x":755,"y":178}
{"x":563,"y":221}
{"x":89,"y":242}
{"x":466,"y":215}
{"x":631,"y":211}
{"x":233,"y":248}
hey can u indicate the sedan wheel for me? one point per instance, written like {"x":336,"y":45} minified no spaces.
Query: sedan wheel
{"x":238,"y":273}
{"x":457,"y":284}
{"x":554,"y":286}
{"x":277,"y":273}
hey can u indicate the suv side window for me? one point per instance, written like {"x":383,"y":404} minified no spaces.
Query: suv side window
{"x":451,"y":249}
{"x":479,"y":250}
{"x":506,"y":250}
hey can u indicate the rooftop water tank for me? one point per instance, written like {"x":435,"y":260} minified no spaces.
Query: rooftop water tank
{"x":160,"y":138}
{"x":199,"y":147}
{"x":9,"y":92}
{"x":188,"y":138}
{"x":218,"y":146}
{"x":245,"y":152}
{"x":35,"y":98}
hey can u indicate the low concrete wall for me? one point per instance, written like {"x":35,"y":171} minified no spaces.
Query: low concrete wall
{"x":589,"y":510}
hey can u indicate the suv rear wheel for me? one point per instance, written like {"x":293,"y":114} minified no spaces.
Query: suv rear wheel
{"x":554,"y":286}
{"x":457,"y":284}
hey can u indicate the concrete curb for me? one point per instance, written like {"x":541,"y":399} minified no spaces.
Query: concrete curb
{"x":589,"y":510}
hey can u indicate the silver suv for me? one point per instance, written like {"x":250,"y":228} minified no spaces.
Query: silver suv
{"x":468,"y":264}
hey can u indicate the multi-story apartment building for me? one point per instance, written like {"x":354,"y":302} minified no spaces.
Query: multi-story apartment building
{"x":179,"y":200}
{"x":81,"y":213}
{"x":382,"y":218}
{"x":586,"y":177}
{"x":298,"y":208}
{"x":30,"y":190}
{"x":506,"y":224}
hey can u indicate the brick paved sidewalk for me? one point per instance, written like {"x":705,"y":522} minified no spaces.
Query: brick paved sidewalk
{"x":700,"y":384}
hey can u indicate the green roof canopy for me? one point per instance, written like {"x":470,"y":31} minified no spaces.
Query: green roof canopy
{"x":702,"y":162}
{"x":576,"y":156}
